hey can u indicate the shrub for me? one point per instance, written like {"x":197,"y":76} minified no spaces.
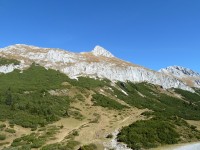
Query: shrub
{"x":79,"y":97}
{"x":3,"y":143}
{"x":76,"y":114}
{"x":2,"y":137}
{"x":101,"y":100}
{"x":2,"y":126}
{"x":109,"y":136}
{"x":88,"y":147}
{"x":71,"y":144}
{"x":10,"y":130}
{"x":75,"y":133}
{"x":193,"y":127}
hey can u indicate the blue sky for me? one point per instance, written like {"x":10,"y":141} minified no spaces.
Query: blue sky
{"x":152,"y":33}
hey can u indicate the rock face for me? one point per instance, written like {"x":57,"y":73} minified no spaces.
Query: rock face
{"x":180,"y":72}
{"x":187,"y":75}
{"x":97,"y":63}
{"x":10,"y":68}
{"x":100,"y":51}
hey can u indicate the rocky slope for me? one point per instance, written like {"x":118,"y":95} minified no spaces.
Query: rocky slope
{"x":187,"y":75}
{"x":97,"y":63}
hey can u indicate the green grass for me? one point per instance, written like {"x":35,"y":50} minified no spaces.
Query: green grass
{"x":101,"y":100}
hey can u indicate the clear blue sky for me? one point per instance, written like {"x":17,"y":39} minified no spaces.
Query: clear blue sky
{"x":152,"y":33}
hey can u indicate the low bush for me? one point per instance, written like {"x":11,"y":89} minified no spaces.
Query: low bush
{"x":88,"y":147}
{"x":109,"y":136}
{"x":10,"y":130}
{"x":101,"y":100}
{"x":2,"y":137}
{"x":2,"y":126}
{"x":76,"y":114}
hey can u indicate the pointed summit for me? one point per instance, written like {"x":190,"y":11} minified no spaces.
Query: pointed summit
{"x":100,"y":51}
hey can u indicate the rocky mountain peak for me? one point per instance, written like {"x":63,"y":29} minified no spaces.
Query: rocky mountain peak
{"x":100,"y":51}
{"x":180,"y":72}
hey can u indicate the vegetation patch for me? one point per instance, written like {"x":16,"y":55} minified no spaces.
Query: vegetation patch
{"x":90,"y":83}
{"x":5,"y":61}
{"x":71,"y":136}
{"x":25,"y":100}
{"x":2,"y":137}
{"x":70,"y":145}
{"x":149,"y":134}
{"x":165,"y":109}
{"x":35,"y":140}
{"x":28,"y":103}
{"x":96,"y":119}
{"x":4,"y":143}
{"x":10,"y":130}
{"x":88,"y":147}
{"x":76,"y":114}
{"x":101,"y":100}
{"x":144,"y":95}
{"x":2,"y":126}
{"x":79,"y":97}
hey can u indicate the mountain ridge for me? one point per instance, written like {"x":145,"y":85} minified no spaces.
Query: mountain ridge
{"x":97,"y":63}
{"x":187,"y":75}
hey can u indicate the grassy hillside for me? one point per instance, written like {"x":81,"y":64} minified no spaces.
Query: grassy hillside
{"x":143,"y":95}
{"x":26,"y":100}
{"x":162,"y":129}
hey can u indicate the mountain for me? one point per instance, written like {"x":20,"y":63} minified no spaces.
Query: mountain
{"x":52,"y":99}
{"x":187,"y":75}
{"x":97,"y":63}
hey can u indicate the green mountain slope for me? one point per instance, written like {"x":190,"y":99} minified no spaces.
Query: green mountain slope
{"x":45,"y":109}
